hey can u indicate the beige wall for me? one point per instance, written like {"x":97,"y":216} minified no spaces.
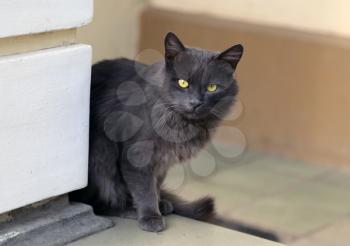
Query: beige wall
{"x":294,"y":86}
{"x":114,"y":30}
{"x":323,"y":16}
{"x":25,"y":43}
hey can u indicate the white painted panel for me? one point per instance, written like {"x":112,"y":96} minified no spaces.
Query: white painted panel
{"x":44,"y":121}
{"x":18,"y":17}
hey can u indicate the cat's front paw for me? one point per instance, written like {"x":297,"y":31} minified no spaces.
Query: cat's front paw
{"x":166,"y":207}
{"x":154,"y":223}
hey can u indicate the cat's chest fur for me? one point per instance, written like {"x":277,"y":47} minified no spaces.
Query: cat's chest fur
{"x":167,"y":153}
{"x":175,"y":139}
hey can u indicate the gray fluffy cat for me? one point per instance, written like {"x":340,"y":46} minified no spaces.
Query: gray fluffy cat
{"x":144,"y":119}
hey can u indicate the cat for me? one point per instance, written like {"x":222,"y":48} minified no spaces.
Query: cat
{"x":146,"y":118}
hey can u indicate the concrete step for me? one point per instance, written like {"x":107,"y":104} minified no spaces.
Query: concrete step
{"x":180,"y":231}
{"x":55,"y":223}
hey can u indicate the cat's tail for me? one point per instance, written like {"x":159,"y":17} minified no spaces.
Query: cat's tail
{"x":201,"y":209}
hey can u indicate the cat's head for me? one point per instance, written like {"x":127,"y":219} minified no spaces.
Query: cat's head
{"x":200,"y":82}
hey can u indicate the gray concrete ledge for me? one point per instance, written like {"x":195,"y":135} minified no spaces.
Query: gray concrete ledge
{"x":54,"y":223}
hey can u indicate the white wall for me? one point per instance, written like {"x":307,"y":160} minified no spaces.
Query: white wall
{"x":44,"y":124}
{"x":44,"y":100}
{"x":323,"y":16}
{"x":19,"y":17}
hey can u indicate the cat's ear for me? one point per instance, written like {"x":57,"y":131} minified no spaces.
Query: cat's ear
{"x":173,"y":46}
{"x":232,"y":55}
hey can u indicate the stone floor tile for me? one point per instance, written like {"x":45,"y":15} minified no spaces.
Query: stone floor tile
{"x":180,"y":231}
{"x":253,"y":179}
{"x":301,"y":210}
{"x":290,"y":167}
{"x":337,"y":234}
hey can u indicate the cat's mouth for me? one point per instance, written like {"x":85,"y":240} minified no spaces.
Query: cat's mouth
{"x":196,"y":114}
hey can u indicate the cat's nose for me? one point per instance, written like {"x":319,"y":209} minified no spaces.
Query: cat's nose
{"x":194,"y":104}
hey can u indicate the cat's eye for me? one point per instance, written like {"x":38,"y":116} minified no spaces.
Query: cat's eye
{"x":183,"y":83}
{"x":212,"y":87}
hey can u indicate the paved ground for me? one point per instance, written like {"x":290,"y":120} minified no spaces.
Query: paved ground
{"x":304,"y":204}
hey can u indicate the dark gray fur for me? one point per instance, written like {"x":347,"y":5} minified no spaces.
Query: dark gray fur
{"x":142,"y":123}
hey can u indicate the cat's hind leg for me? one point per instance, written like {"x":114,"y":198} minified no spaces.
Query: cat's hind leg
{"x":166,"y":207}
{"x":130,"y":213}
{"x":105,"y":181}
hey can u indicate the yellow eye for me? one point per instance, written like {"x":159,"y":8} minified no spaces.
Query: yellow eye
{"x":183,"y":83}
{"x":211,"y":87}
